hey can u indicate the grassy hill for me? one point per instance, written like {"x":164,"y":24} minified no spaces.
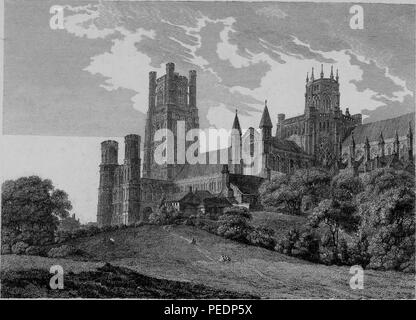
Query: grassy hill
{"x":167,"y":253}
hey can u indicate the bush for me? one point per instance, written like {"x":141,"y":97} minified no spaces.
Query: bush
{"x":262,"y":237}
{"x":6,"y":249}
{"x":207,"y":225}
{"x":303,"y":189}
{"x":19,"y":247}
{"x":304,"y":245}
{"x":34,"y":251}
{"x":288,"y":243}
{"x":387,"y":207}
{"x":233,"y":224}
{"x":164,"y":216}
{"x":61,"y":252}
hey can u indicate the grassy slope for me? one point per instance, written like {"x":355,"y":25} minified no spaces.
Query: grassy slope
{"x":167,"y":253}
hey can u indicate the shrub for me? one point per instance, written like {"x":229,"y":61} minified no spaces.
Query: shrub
{"x":61,"y":252}
{"x":303,"y":189}
{"x":233,"y":224}
{"x":262,"y":237}
{"x":288,"y":243}
{"x":34,"y":251}
{"x":19,"y":247}
{"x":387,"y":207}
{"x":307,"y":246}
{"x":6,"y":249}
{"x":164,"y":215}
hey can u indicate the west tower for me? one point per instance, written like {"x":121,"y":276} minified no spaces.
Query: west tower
{"x":108,"y":167}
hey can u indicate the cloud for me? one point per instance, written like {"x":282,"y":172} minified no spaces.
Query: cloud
{"x":124,"y":66}
{"x":272,"y":11}
{"x":228,"y":51}
{"x":83,"y":22}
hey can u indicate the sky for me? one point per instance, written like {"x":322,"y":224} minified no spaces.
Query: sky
{"x":67,"y":90}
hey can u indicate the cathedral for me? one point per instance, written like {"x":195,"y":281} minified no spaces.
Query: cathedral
{"x":323,"y":136}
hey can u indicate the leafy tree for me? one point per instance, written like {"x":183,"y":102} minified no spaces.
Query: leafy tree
{"x":387,"y":207}
{"x":31,"y":208}
{"x":69,"y":224}
{"x":337,"y":216}
{"x":345,"y":186}
{"x":287,"y":191}
{"x":280,"y":192}
{"x":312,"y":182}
{"x":164,"y":215}
{"x":262,"y":237}
{"x":234,"y":224}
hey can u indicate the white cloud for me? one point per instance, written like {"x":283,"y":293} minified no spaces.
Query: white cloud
{"x":82,"y":24}
{"x":272,"y":11}
{"x":228,"y":51}
{"x":124,"y":66}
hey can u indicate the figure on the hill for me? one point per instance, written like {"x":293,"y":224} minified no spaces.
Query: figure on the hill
{"x":225,"y":258}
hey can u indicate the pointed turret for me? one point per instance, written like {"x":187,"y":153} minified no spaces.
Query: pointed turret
{"x":312,"y":76}
{"x":265,"y":121}
{"x":236,"y":123}
{"x":307,"y":77}
{"x":236,"y":164}
{"x":322,"y":71}
{"x":410,"y":142}
{"x":381,"y":145}
{"x":396,"y":144}
{"x":352,"y":151}
{"x":332,"y":73}
{"x":367,"y":149}
{"x":337,"y":76}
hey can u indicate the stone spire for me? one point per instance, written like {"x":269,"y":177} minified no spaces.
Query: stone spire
{"x":307,"y":77}
{"x":367,"y":149}
{"x":396,"y":144}
{"x":337,"y":76}
{"x":322,"y":71}
{"x":265,"y":121}
{"x":236,"y":123}
{"x":352,"y":150}
{"x":312,"y":76}
{"x":410,"y":142}
{"x":381,"y":145}
{"x":332,"y":72}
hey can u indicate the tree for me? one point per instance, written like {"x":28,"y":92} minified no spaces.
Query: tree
{"x":234,"y":224}
{"x":337,"y":216}
{"x":312,"y":182}
{"x":287,"y":191}
{"x":31,"y":208}
{"x":387,"y":207}
{"x":164,"y":215}
{"x":345,"y":186}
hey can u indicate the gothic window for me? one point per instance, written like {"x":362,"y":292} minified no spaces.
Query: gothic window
{"x":326,"y":103}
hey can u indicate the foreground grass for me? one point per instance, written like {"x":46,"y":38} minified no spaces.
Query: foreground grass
{"x":166,"y":252}
{"x":106,"y":282}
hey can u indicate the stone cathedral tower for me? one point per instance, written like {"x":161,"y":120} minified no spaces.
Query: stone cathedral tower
{"x":172,"y":98}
